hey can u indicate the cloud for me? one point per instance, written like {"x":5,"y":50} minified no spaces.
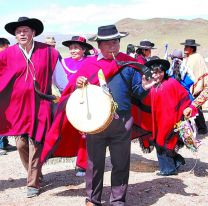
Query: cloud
{"x":87,"y":17}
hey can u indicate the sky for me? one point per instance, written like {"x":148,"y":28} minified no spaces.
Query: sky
{"x":85,"y":16}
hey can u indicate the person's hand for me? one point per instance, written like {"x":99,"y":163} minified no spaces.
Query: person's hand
{"x":147,"y":84}
{"x":81,"y":81}
{"x":187,"y":112}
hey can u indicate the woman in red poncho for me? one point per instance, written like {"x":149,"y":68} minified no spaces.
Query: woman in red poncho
{"x":169,"y":99}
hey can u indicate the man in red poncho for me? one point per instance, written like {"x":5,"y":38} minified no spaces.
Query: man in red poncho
{"x":26,"y":70}
{"x":122,"y":83}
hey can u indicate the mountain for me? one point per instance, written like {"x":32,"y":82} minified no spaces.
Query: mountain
{"x":157,"y":30}
{"x":163,"y":30}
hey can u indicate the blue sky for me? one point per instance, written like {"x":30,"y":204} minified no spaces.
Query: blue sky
{"x":84,"y":16}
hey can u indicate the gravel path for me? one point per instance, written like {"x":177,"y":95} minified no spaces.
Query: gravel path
{"x":62,"y":187}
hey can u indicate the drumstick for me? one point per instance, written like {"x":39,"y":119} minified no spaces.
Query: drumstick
{"x":82,"y":95}
{"x":88,"y":110}
{"x":113,"y":56}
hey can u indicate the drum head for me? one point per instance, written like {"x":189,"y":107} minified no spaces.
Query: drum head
{"x":89,"y":108}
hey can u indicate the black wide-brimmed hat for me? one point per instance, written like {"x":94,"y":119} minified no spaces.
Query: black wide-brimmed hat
{"x":156,"y":61}
{"x":108,"y":32}
{"x":79,"y":40}
{"x":33,"y":23}
{"x":145,"y":44}
{"x":190,"y":42}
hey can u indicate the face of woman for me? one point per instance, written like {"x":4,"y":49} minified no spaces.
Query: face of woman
{"x":158,"y":74}
{"x":76,"y":51}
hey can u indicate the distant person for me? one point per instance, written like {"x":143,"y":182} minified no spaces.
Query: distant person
{"x":143,"y":53}
{"x":4,"y":143}
{"x":50,"y":40}
{"x":179,"y":71}
{"x":131,"y":50}
{"x":79,"y":49}
{"x":4,"y":43}
{"x":197,"y":64}
{"x":26,"y":71}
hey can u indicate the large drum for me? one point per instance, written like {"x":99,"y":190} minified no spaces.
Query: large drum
{"x":90,"y":109}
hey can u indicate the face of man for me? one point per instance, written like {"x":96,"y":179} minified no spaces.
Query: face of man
{"x":146,"y":52}
{"x":188,"y":50}
{"x":109,"y":47}
{"x":24,"y":36}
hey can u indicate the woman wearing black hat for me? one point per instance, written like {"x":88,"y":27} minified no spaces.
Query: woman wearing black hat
{"x":168,"y":100}
{"x":79,"y":50}
{"x":143,"y":53}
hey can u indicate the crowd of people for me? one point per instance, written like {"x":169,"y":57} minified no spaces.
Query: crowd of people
{"x":150,"y":96}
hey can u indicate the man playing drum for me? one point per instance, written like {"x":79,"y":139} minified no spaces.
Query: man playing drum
{"x":118,"y":134}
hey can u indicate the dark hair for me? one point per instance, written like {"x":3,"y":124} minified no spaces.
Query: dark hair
{"x":176,"y":70}
{"x":99,"y":41}
{"x":156,"y":66}
{"x":194,"y":49}
{"x":130,"y":49}
{"x":139,"y":51}
{"x":4,"y":41}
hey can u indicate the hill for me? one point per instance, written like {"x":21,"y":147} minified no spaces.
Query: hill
{"x":157,"y":30}
{"x":161,"y":31}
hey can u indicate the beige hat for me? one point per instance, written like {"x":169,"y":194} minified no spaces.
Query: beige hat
{"x":50,"y":40}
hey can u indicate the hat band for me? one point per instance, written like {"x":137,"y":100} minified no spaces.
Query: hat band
{"x":110,"y":36}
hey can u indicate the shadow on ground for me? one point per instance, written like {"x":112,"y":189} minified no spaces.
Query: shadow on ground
{"x":143,"y":194}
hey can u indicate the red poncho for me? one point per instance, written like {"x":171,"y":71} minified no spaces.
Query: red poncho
{"x":63,"y":140}
{"x":22,"y":111}
{"x":168,"y":102}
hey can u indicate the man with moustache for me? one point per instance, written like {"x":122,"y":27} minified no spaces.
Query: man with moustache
{"x":26,"y":72}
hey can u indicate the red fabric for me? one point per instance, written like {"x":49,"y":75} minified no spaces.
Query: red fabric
{"x":62,"y":139}
{"x":168,"y":102}
{"x":22,"y":111}
{"x":194,"y":110}
{"x":142,"y":118}
{"x":141,"y":59}
{"x":82,"y":154}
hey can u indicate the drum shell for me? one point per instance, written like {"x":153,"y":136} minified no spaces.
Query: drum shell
{"x":90,"y":109}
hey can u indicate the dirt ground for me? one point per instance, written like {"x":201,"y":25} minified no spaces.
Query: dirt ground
{"x":62,"y":187}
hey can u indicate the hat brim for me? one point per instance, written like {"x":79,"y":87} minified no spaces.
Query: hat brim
{"x":35,"y":24}
{"x":119,"y":35}
{"x":165,"y":64}
{"x":145,"y":47}
{"x":70,"y":42}
{"x":185,"y":44}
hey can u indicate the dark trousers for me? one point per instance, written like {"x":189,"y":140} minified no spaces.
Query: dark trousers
{"x":117,"y":137}
{"x":3,"y":142}
{"x":200,"y":122}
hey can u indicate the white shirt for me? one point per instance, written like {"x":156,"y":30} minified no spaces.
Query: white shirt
{"x":59,"y":77}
